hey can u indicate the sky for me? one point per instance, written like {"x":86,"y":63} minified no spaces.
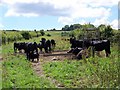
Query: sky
{"x":49,"y":14}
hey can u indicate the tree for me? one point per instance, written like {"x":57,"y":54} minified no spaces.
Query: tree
{"x":42,"y":32}
{"x":76,"y":26}
{"x":26,"y":35}
{"x":54,"y":29}
{"x":102,"y":27}
{"x":108,"y":32}
{"x":89,"y":25}
{"x":65,"y":28}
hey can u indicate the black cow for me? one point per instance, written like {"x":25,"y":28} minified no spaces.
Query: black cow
{"x":53,"y":43}
{"x":19,"y":46}
{"x":78,"y":52}
{"x":41,"y":45}
{"x":32,"y":51}
{"x":101,"y":45}
{"x":34,"y":55}
{"x":98,"y":45}
{"x":46,"y":44}
{"x":79,"y":43}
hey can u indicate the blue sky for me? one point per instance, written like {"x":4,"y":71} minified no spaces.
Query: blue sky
{"x":49,"y":14}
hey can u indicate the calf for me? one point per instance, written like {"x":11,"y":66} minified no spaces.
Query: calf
{"x":33,"y":55}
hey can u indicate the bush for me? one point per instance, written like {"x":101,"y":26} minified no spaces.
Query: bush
{"x":48,"y":35}
{"x":42,"y":32}
{"x":26,"y":35}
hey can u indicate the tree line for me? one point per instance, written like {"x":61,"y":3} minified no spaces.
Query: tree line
{"x":77,"y":30}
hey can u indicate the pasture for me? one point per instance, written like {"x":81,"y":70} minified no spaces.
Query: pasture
{"x":97,"y":72}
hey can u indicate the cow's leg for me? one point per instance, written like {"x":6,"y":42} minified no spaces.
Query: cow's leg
{"x":41,"y":49}
{"x":93,"y":51}
{"x":15,"y":49}
{"x":38,"y":59}
{"x":46,"y":49}
{"x":53,"y":47}
{"x":49,"y":48}
{"x":107,"y":54}
{"x":32,"y":60}
{"x":70,"y":51}
{"x":79,"y":55}
{"x":27,"y":55}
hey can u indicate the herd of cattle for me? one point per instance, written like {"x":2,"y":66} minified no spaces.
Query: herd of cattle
{"x":31,"y":48}
{"x":77,"y":47}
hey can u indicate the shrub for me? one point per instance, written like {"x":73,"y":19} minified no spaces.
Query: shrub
{"x":42,"y":32}
{"x":26,"y":35}
{"x":48,"y":35}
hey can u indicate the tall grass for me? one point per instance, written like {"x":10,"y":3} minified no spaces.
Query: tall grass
{"x":90,"y":73}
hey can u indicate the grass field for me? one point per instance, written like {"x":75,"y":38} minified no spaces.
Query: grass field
{"x":96,"y":72}
{"x":92,"y":73}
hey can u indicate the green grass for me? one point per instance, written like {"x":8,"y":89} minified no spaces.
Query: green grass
{"x":93,"y":73}
{"x":90,"y":73}
{"x":18,"y":73}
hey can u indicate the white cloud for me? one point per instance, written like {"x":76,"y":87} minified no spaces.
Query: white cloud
{"x":76,"y":8}
{"x":93,"y":3}
{"x":66,"y":10}
{"x":99,"y":3}
{"x":12,"y":13}
{"x":65,"y":20}
{"x":35,"y":9}
{"x":82,"y":22}
{"x":103,"y":20}
{"x":90,"y":12}
{"x":12,"y":2}
{"x":114,"y":24}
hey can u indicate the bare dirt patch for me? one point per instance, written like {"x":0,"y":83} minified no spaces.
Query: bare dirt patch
{"x":57,"y":55}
